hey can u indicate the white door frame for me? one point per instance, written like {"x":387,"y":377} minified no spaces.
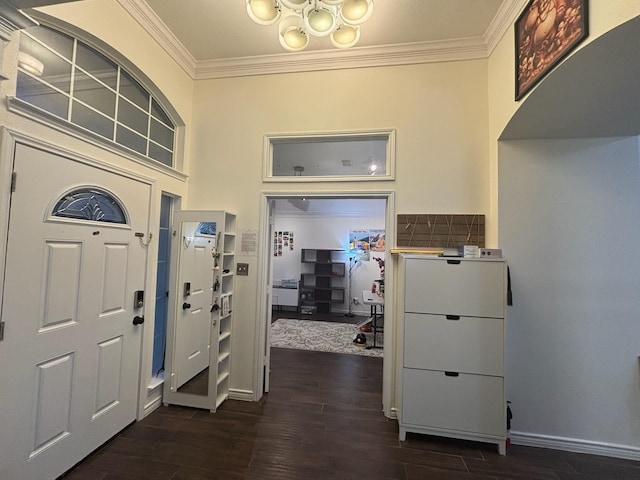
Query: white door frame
{"x":8,"y":140}
{"x":264,"y":296}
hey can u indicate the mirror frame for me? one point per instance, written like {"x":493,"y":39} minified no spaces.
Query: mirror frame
{"x":388,"y":134}
{"x":171,"y":397}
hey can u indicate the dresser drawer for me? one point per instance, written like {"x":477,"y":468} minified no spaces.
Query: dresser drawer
{"x":465,"y":344}
{"x":455,"y":287}
{"x":466,"y":403}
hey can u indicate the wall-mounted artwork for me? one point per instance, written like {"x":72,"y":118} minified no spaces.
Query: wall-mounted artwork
{"x":545,"y":32}
{"x":282,"y":241}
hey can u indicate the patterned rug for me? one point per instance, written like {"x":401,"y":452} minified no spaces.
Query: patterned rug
{"x":321,"y":336}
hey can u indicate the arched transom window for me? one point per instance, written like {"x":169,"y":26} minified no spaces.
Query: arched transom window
{"x":69,"y":79}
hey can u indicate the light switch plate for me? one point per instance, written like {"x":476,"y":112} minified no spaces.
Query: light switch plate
{"x":242,"y":269}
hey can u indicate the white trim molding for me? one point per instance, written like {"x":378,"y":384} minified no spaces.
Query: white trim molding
{"x":158,"y":30}
{"x":242,"y":395}
{"x":387,"y":134}
{"x":359,"y":57}
{"x":12,"y":19}
{"x":575,"y":445}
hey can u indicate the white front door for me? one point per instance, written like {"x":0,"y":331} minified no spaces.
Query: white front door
{"x":193,"y":318}
{"x":70,"y":359}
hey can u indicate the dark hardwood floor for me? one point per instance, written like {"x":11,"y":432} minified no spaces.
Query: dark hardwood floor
{"x":322,"y":419}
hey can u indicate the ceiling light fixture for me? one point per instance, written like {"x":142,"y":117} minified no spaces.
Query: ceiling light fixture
{"x":372,"y":167}
{"x":30,"y":64}
{"x":340,"y":19}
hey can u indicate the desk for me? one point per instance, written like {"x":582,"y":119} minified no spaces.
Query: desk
{"x":284,"y":296}
{"x":376,"y":303}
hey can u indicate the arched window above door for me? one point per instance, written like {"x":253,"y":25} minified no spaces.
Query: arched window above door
{"x":90,"y":204}
{"x":70,"y":80}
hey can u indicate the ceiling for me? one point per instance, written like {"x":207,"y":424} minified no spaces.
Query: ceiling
{"x":221,"y":29}
{"x":216,"y":38}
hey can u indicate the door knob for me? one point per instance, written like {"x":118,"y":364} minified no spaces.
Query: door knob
{"x":137,"y":320}
{"x":186,"y":306}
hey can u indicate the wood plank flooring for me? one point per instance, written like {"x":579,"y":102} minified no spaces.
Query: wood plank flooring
{"x":322,"y":419}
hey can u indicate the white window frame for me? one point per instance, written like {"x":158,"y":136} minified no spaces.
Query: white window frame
{"x":39,"y":115}
{"x":388,"y":134}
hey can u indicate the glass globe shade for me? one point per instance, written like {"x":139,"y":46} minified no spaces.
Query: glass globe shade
{"x":295,"y":38}
{"x":345,"y":36}
{"x":356,"y":11}
{"x":320,"y":20}
{"x":296,"y":5}
{"x":291,"y":33}
{"x":263,"y":11}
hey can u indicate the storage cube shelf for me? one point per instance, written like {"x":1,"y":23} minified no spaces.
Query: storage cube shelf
{"x":321,"y":280}
{"x":453,"y":332}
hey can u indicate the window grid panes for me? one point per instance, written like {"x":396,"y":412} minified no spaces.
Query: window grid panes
{"x":71,"y":80}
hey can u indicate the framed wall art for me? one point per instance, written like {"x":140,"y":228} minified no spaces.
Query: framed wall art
{"x":545,"y":32}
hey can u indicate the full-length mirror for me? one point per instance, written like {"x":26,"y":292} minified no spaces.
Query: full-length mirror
{"x":199,"y":320}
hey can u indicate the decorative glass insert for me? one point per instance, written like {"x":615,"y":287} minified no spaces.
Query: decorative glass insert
{"x":206,"y":228}
{"x":90,"y":204}
{"x":65,"y":77}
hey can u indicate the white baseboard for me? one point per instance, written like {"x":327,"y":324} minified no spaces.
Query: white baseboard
{"x":575,"y":445}
{"x":152,"y":405}
{"x":244,"y":395}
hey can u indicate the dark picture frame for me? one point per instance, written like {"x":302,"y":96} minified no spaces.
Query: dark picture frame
{"x":545,"y":32}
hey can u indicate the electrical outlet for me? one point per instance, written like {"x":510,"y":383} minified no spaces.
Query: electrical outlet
{"x":490,"y":253}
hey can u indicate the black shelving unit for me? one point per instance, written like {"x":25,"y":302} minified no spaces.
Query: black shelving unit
{"x":321,"y":280}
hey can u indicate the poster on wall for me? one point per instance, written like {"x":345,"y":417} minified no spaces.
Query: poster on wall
{"x":364,"y":241}
{"x":376,"y":240}
{"x":282,"y":241}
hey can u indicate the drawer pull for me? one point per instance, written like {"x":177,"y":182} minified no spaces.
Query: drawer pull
{"x":451,"y":374}
{"x":453,"y":317}
{"x":453,"y":262}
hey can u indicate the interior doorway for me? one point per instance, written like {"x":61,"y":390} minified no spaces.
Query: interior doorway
{"x":294,"y":222}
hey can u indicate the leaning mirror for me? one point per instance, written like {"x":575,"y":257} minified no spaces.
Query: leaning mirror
{"x":352,"y":156}
{"x":198,"y":321}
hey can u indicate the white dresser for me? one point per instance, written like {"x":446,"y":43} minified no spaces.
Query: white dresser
{"x":453,"y":333}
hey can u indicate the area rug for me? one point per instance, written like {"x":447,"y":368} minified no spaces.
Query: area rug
{"x":321,"y":336}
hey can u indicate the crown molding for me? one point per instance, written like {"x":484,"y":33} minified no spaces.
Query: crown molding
{"x":154,"y":26}
{"x":502,"y":22}
{"x":358,"y":57}
{"x":12,"y":19}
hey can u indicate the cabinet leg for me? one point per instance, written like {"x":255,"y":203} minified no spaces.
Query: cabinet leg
{"x":403,"y":434}
{"x":502,"y":448}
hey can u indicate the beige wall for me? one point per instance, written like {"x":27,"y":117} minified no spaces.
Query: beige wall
{"x":570,"y":344}
{"x":603,"y":16}
{"x":439,"y":112}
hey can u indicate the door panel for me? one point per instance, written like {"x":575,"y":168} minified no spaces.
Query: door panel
{"x":193,"y":338}
{"x":68,"y":306}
